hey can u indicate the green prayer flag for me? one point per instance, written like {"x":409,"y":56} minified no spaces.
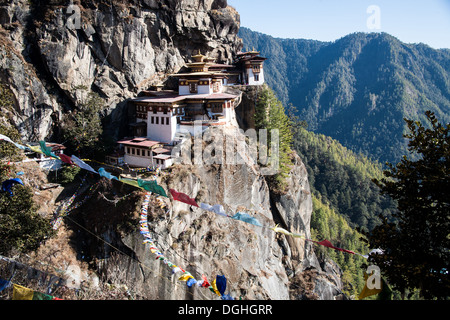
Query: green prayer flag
{"x":41,"y":296}
{"x":152,"y":186}
{"x":46,"y":150}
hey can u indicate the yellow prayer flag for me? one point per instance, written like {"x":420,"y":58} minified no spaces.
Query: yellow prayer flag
{"x":213,"y":284}
{"x":36,"y":149}
{"x":22,"y":293}
{"x":185,"y":277}
{"x":281,"y":230}
{"x":297,"y":235}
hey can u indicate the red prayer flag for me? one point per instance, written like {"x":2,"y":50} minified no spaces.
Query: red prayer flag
{"x":328,"y":244}
{"x":178,"y":196}
{"x":205,"y":284}
{"x":65,"y":158}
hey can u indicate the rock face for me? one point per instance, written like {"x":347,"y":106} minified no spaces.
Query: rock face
{"x":52,"y":54}
{"x":258,"y":263}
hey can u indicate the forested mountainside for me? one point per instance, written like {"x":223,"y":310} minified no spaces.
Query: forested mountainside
{"x":343,"y":179}
{"x":358,"y":89}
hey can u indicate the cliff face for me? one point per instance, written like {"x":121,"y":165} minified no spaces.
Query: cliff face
{"x":52,"y":54}
{"x":258,"y":263}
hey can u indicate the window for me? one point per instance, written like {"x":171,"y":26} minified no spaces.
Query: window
{"x":217,"y":108}
{"x":167,"y":121}
{"x":193,"y":87}
{"x":132,"y":151}
{"x":128,"y":150}
{"x":148,"y":153}
{"x":138,"y":152}
{"x":256,"y":77}
{"x":153,"y":120}
{"x":157,"y":120}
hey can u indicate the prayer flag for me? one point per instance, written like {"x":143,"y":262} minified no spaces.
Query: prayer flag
{"x":65,"y":158}
{"x":152,"y":186}
{"x":221,"y":284}
{"x":22,"y":293}
{"x":213,"y":287}
{"x":366,"y":292}
{"x":4,"y":284}
{"x":246,"y":218}
{"x":82,"y":164}
{"x":328,"y":244}
{"x":103,"y":173}
{"x":130,"y":182}
{"x":185,"y":277}
{"x":281,"y":230}
{"x":46,"y":150}
{"x":191,"y":282}
{"x":8,"y":184}
{"x":205,"y":283}
{"x":218,"y":209}
{"x":41,"y":296}
{"x":35,"y":149}
{"x":5,"y":138}
{"x":179,"y":196}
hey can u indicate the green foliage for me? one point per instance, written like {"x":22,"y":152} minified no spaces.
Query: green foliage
{"x":83,"y":129}
{"x":343,"y":179}
{"x":21,"y":227}
{"x":270,"y":114}
{"x":68,"y":174}
{"x":359,"y":88}
{"x":7,"y":150}
{"x":327,"y":224}
{"x":417,"y":245}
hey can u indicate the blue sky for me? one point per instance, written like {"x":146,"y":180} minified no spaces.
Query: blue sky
{"x":411,"y":21}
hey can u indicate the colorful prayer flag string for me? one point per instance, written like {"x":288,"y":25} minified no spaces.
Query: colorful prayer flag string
{"x":185,"y":276}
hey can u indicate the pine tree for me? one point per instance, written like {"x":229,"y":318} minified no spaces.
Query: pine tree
{"x":271,"y":115}
{"x":416,"y":247}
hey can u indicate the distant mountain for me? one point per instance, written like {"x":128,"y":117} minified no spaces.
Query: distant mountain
{"x":359,"y":88}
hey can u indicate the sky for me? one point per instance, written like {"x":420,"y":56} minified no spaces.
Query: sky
{"x":411,"y":21}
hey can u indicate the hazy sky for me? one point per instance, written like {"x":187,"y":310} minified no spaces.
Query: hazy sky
{"x":411,"y":21}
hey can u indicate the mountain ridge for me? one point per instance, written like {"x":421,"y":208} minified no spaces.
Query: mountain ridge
{"x":358,"y":89}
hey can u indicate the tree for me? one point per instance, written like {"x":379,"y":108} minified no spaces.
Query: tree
{"x":270,"y":114}
{"x":83,"y":129}
{"x":416,"y":246}
{"x":7,"y":150}
{"x":21,"y":227}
